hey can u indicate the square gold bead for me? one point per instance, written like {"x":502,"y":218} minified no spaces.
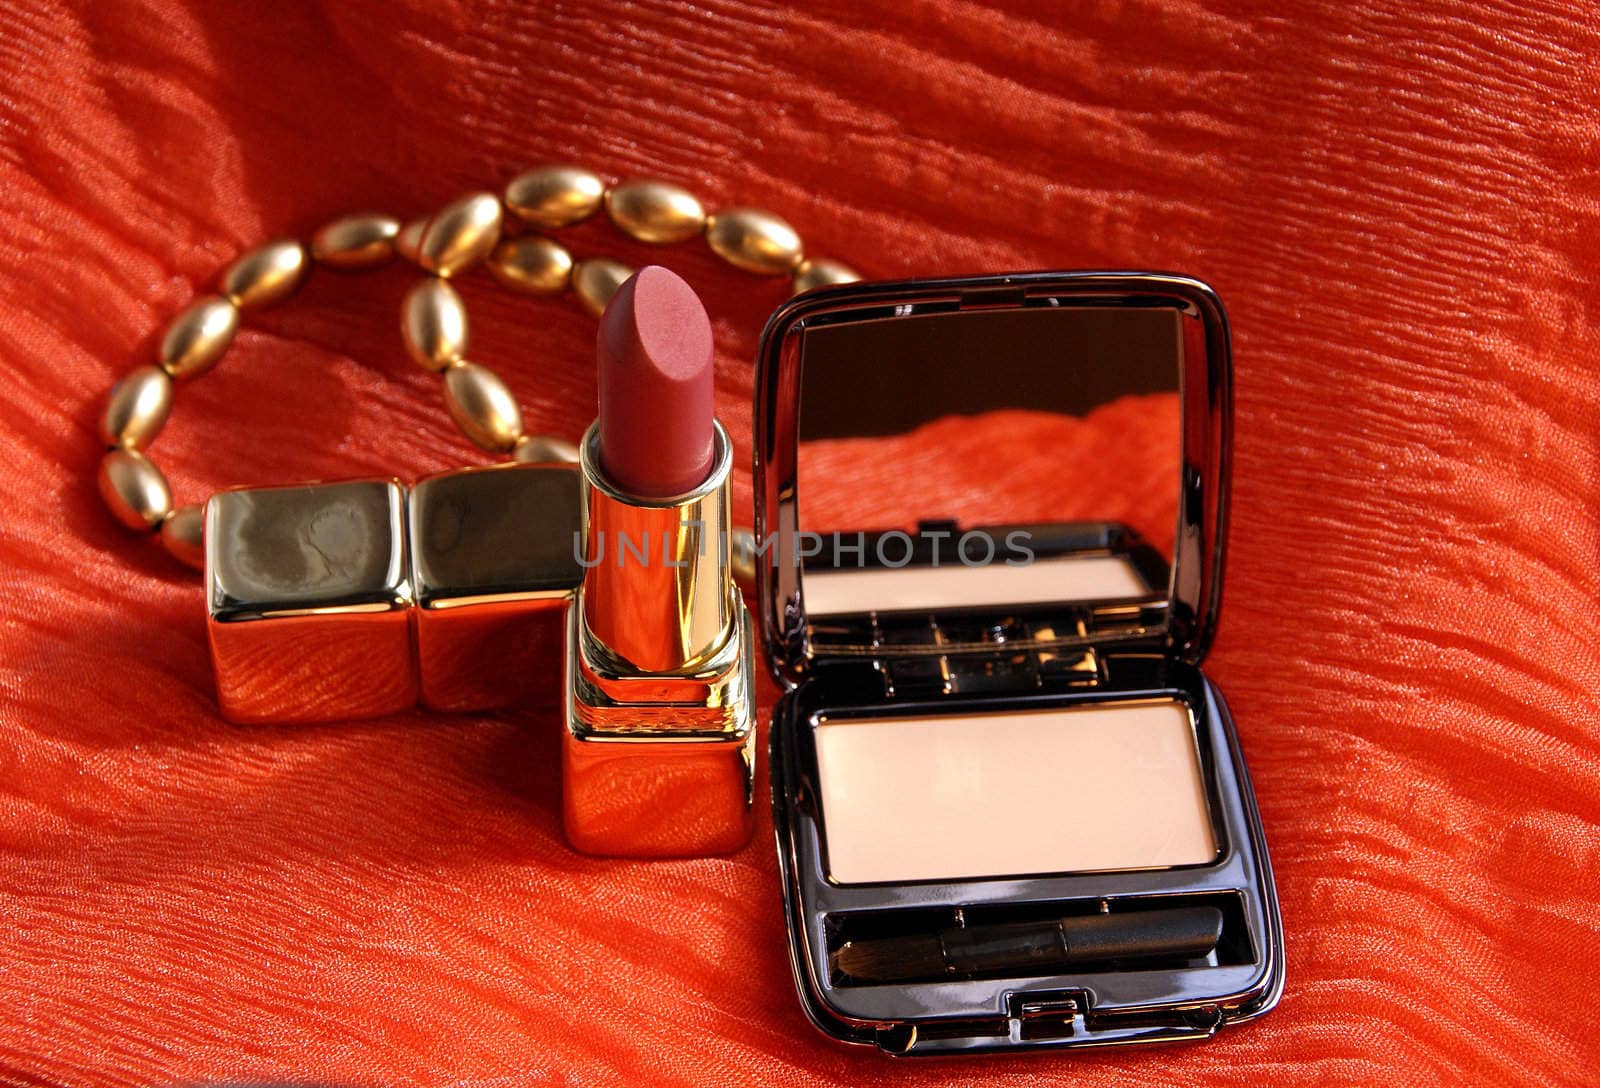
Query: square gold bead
{"x":308,"y":602}
{"x":493,"y":565}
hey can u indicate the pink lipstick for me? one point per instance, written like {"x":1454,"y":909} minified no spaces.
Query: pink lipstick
{"x":656,"y":427}
{"x":658,"y":752}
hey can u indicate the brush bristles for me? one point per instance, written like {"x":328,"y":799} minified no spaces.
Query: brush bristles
{"x":890,"y":958}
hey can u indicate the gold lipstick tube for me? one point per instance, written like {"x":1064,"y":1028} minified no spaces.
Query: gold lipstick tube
{"x":658,"y":756}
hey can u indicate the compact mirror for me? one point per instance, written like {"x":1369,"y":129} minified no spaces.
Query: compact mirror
{"x":1010,"y":457}
{"x":1008,"y":451}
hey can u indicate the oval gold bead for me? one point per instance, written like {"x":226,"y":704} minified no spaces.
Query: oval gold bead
{"x":134,"y":490}
{"x":482,"y":407}
{"x":137,"y":408}
{"x":183,"y":535}
{"x":460,"y":234}
{"x":594,"y":282}
{"x":267,"y":274}
{"x":534,"y":264}
{"x":821,"y":272}
{"x":545,"y":449}
{"x":555,"y":196}
{"x":433,"y":321}
{"x":197,"y":337}
{"x":655,"y":211}
{"x":356,"y":241}
{"x":409,"y":240}
{"x":754,"y":240}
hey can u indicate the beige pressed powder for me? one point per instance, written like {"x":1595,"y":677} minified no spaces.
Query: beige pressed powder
{"x":1012,"y":793}
{"x":835,"y":592}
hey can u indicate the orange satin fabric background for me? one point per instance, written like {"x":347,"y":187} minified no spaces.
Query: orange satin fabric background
{"x":1399,"y":208}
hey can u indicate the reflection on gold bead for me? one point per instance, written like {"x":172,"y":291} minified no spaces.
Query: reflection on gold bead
{"x":134,"y":490}
{"x":433,"y":321}
{"x":197,"y":337}
{"x":594,"y":282}
{"x":267,"y":274}
{"x":655,"y":211}
{"x":533,"y":263}
{"x":183,"y":535}
{"x":545,"y":449}
{"x":482,"y":407}
{"x":137,"y":408}
{"x":754,"y":240}
{"x":356,"y":241}
{"x":460,"y":234}
{"x":409,"y":239}
{"x":555,"y":196}
{"x":821,"y":272}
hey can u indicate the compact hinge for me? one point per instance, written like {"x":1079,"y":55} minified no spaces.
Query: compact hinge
{"x":1005,"y":296}
{"x":991,"y":670}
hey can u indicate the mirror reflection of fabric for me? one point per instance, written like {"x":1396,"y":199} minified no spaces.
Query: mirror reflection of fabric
{"x":1118,"y":463}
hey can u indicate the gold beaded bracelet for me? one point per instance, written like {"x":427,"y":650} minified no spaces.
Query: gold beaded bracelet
{"x":433,"y":317}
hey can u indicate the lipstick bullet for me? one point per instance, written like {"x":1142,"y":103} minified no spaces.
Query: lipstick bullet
{"x":658,"y":755}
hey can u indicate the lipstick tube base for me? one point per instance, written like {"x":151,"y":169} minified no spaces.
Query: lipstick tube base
{"x":659,"y":765}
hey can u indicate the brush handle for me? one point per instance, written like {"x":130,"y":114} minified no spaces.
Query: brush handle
{"x":1034,"y":947}
{"x":1182,"y":931}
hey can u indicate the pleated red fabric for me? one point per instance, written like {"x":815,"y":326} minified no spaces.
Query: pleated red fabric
{"x":1400,"y":206}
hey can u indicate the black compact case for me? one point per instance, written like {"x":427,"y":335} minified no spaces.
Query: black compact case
{"x":1035,"y":959}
